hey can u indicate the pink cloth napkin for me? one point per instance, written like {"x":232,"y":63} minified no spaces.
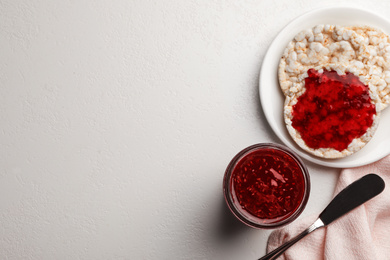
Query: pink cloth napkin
{"x":363,"y":233}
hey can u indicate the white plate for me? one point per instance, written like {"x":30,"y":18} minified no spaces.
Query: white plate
{"x":272,"y":98}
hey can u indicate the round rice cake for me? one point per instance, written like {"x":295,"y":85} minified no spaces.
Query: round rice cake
{"x":355,"y":145}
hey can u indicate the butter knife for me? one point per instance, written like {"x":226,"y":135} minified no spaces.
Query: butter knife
{"x":349,"y":198}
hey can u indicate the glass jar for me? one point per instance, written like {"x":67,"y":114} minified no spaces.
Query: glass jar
{"x":266,"y":185}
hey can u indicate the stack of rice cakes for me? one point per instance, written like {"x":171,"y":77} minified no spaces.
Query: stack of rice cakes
{"x":361,"y":50}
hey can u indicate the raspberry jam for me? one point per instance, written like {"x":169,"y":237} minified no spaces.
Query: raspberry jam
{"x":266,"y":185}
{"x":334,"y":110}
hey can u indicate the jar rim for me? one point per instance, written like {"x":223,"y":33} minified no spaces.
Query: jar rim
{"x":228,"y":192}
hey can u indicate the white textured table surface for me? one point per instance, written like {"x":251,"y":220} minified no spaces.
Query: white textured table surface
{"x":118,"y":119}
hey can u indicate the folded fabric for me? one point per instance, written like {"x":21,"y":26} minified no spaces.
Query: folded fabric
{"x":363,"y":233}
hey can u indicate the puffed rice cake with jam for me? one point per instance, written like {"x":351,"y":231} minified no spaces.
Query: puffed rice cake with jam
{"x":361,"y":50}
{"x":331,"y":153}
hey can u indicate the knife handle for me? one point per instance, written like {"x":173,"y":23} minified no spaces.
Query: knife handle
{"x":280,"y":250}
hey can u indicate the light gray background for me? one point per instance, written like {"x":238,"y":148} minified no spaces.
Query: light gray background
{"x":118,"y":119}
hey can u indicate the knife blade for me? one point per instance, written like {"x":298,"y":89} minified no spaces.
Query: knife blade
{"x":352,"y":196}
